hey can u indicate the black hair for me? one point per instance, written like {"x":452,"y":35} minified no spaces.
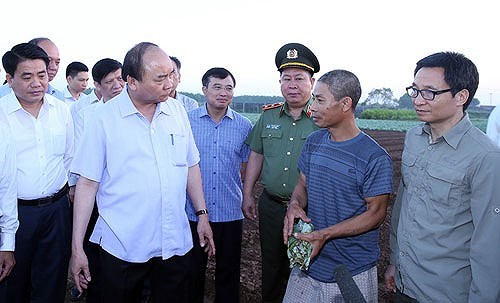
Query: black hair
{"x":459,"y":72}
{"x":103,"y":67}
{"x":74,"y":68}
{"x":216,"y":72}
{"x":133,"y":62}
{"x":20,"y":53}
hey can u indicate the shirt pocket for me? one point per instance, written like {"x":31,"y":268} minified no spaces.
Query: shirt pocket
{"x":58,"y":145}
{"x":271,"y":141}
{"x":408,"y":164}
{"x":446,"y":185}
{"x":178,"y":149}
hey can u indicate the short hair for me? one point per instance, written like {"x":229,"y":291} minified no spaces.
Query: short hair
{"x":20,"y":53}
{"x":103,"y":67}
{"x":216,"y":72}
{"x":74,"y":68}
{"x":342,"y":83}
{"x":177,"y":62}
{"x":133,"y":64}
{"x":459,"y":72}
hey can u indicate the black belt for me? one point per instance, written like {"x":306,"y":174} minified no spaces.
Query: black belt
{"x":277,"y":199}
{"x":46,"y":200}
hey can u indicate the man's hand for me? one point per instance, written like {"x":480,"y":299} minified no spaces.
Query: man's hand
{"x":390,"y":282}
{"x":249,"y":207}
{"x":7,"y":262}
{"x":293,"y":212}
{"x":316,"y":238}
{"x":71,"y":194}
{"x":205,"y":234}
{"x":79,"y":266}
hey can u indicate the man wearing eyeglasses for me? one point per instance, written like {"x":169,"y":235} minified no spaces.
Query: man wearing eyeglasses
{"x":445,"y":230}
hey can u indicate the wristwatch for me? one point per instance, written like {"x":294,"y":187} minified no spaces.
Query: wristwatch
{"x":203,"y":211}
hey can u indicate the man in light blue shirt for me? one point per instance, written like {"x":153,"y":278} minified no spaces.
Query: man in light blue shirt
{"x":138,"y":157}
{"x":220,"y":135}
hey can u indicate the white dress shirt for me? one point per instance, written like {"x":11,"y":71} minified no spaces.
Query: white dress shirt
{"x":8,"y":191}
{"x":142,"y":170}
{"x":44,"y":146}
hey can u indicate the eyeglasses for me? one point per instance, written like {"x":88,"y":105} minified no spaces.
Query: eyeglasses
{"x":427,"y":94}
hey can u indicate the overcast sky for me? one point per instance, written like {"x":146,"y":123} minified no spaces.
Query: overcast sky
{"x":380,"y":41}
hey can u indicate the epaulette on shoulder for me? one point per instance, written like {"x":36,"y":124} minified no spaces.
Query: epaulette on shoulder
{"x":272,"y":105}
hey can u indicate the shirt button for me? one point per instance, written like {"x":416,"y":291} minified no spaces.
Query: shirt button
{"x":402,"y":254}
{"x":291,"y":139}
{"x":269,"y":135}
{"x":288,"y":153}
{"x":286,"y":168}
{"x":497,"y":210}
{"x":294,"y":123}
{"x":429,"y":148}
{"x":284,"y":185}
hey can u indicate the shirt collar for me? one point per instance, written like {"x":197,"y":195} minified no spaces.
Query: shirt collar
{"x":13,"y":104}
{"x":306,"y":110}
{"x":455,"y":134}
{"x":204,"y":112}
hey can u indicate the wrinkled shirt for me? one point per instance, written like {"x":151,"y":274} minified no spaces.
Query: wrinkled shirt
{"x":445,"y":231}
{"x":142,"y":170}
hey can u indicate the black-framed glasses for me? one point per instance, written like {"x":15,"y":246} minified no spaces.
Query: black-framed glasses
{"x":427,"y":94}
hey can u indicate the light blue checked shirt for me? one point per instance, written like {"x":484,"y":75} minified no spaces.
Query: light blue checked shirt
{"x":222,"y":151}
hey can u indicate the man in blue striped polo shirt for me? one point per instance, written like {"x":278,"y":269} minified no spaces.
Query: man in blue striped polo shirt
{"x":220,"y":135}
{"x":345,"y":181}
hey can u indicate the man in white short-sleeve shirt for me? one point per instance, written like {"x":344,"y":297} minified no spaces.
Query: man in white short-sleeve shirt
{"x":137,"y":156}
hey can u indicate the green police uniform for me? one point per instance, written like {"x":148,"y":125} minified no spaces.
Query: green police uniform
{"x":279,"y":137}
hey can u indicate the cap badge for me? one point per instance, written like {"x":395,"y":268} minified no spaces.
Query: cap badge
{"x":292,"y":54}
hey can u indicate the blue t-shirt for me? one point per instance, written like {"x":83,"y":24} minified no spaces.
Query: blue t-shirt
{"x":340,"y":175}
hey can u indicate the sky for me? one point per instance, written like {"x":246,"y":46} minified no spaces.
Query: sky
{"x":379,"y":41}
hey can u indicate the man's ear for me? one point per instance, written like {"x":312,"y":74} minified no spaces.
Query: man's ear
{"x":461,"y":97}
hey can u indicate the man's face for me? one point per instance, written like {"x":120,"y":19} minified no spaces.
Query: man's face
{"x":444,"y":106}
{"x":53,"y":52}
{"x":111,"y":85}
{"x":176,"y":79}
{"x":326,"y":111}
{"x":79,"y":82}
{"x":156,"y":83}
{"x":30,"y":81}
{"x":219,"y":93}
{"x":296,"y":86}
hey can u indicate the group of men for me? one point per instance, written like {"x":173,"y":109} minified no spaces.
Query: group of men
{"x":160,"y":185}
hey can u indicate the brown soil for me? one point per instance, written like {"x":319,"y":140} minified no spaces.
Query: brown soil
{"x":250,"y":277}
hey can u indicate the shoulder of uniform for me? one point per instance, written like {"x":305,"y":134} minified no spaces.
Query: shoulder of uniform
{"x":272,"y":105}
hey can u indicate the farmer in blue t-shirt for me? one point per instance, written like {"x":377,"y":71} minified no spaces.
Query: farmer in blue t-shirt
{"x":344,"y":185}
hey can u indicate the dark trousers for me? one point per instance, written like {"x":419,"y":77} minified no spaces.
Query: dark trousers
{"x":92,"y":250}
{"x":42,"y":254}
{"x":400,"y":297}
{"x":122,"y":281}
{"x":275,"y":264}
{"x":227,"y":239}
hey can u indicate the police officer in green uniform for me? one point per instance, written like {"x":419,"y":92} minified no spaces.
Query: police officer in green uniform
{"x":276,"y":142}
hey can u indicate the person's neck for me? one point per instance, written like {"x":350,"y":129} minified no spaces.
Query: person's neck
{"x":32,"y":108}
{"x":216,"y":114}
{"x":345,"y":131}
{"x":438,"y":129}
{"x":296,"y":111}
{"x":146,"y":109}
{"x":74,"y":93}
